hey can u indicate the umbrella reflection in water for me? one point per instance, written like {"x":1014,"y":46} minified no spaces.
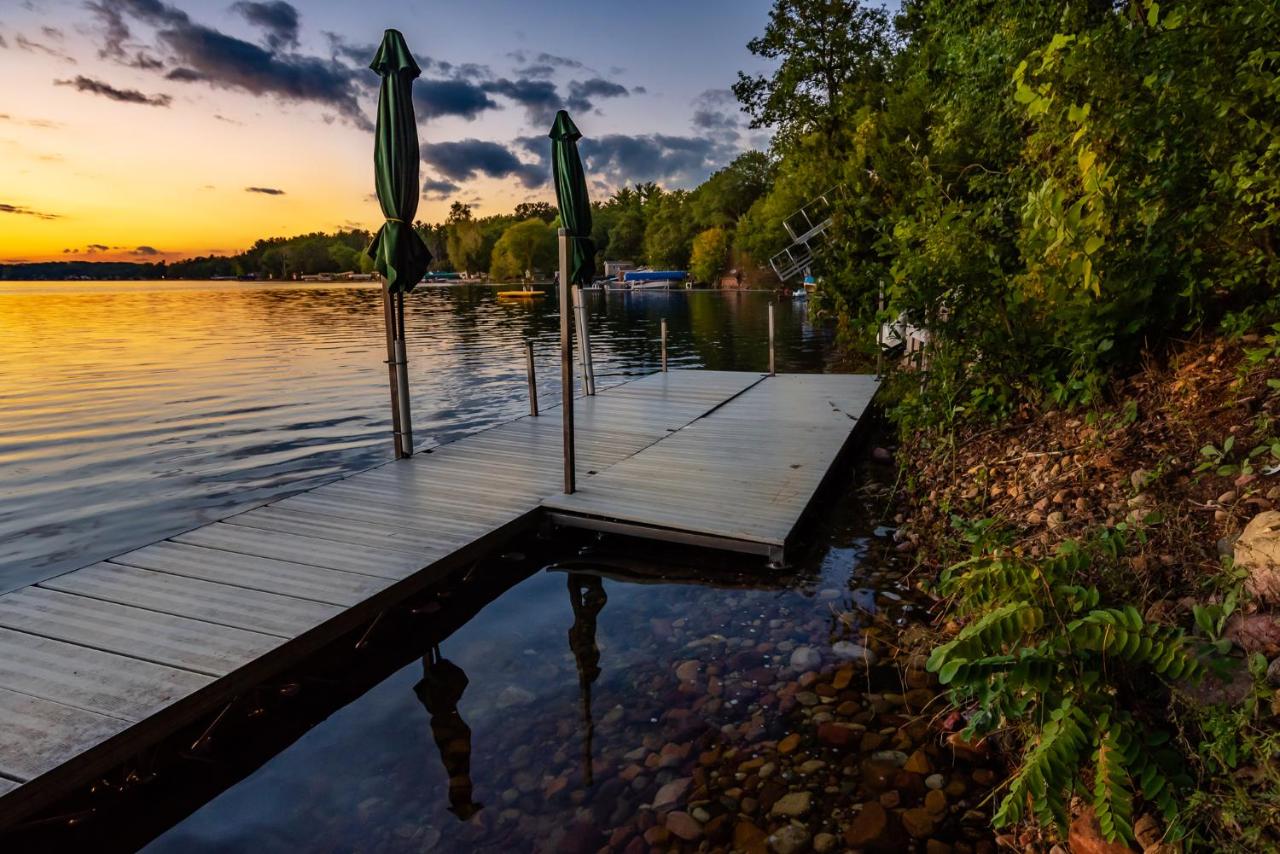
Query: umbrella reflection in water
{"x":587,"y":597}
{"x":440,"y":690}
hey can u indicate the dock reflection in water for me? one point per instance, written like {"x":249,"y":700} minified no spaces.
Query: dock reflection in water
{"x":676,"y":686}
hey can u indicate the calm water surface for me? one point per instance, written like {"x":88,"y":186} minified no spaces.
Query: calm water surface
{"x":131,"y":411}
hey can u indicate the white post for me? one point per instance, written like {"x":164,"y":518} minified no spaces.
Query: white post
{"x":584,"y":342}
{"x":566,"y":365}
{"x":664,"y":345}
{"x":771,"y":360}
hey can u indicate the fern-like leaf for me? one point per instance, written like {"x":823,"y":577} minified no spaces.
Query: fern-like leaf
{"x":1045,"y":781}
{"x":1112,"y":788}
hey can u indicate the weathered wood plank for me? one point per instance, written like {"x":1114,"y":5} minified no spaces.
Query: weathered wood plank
{"x":238,"y":607}
{"x":38,"y":735}
{"x":88,"y":679}
{"x":160,"y":638}
{"x":301,"y":549}
{"x":298,"y":580}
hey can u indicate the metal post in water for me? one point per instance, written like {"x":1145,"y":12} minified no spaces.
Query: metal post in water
{"x":533,"y":380}
{"x":566,"y":365}
{"x":402,"y":379}
{"x":388,"y":313}
{"x":771,"y":361}
{"x":584,"y":342}
{"x":664,"y":345}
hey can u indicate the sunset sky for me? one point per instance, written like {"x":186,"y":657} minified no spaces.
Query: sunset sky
{"x":146,"y":129}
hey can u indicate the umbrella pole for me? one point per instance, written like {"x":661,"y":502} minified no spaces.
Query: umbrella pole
{"x":566,"y":365}
{"x":388,"y":313}
{"x":402,"y":379}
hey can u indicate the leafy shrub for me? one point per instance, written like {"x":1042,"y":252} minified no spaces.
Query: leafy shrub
{"x":1043,"y":655}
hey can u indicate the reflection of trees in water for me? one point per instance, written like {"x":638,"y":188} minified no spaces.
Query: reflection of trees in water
{"x":587,"y":597}
{"x":440,"y":689}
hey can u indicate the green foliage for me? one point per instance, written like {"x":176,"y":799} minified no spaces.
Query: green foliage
{"x":523,"y":248}
{"x":1043,"y":655}
{"x":1048,"y":187}
{"x":710,"y":252}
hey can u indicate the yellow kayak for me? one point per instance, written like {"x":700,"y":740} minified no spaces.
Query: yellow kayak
{"x":520,"y":294}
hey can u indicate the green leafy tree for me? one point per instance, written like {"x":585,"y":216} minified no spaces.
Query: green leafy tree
{"x":829,"y":53}
{"x":669,"y":230}
{"x":524,"y":247}
{"x":723,"y":198}
{"x":710,"y":252}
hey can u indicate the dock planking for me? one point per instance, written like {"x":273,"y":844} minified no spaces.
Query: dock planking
{"x":106,"y":660}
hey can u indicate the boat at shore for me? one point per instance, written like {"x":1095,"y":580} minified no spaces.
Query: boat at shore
{"x":648,"y":280}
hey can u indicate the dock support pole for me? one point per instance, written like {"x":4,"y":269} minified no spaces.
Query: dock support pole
{"x":397,"y":372}
{"x":566,"y":365}
{"x":664,"y":345}
{"x":584,"y":342}
{"x":533,"y":380}
{"x":771,"y":360}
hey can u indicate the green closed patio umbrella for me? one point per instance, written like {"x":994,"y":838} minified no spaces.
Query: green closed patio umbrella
{"x":399,"y":254}
{"x":577,"y":257}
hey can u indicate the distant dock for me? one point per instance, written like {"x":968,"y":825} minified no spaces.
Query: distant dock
{"x":105,"y":661}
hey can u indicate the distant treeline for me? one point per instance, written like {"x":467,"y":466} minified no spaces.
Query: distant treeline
{"x":645,"y":224}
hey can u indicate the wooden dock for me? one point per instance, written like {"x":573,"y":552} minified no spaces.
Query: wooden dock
{"x":104,"y":661}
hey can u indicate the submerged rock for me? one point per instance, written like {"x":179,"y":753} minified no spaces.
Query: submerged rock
{"x":805,"y":658}
{"x":848,"y":651}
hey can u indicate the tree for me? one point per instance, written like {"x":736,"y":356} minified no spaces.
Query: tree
{"x":465,"y":245}
{"x":669,"y":230}
{"x":710,"y":252}
{"x":724,"y":197}
{"x":524,"y":246}
{"x":544,"y":211}
{"x":828,"y":51}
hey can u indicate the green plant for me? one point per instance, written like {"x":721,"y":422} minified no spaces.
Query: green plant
{"x":1219,"y":461}
{"x":1043,"y":655}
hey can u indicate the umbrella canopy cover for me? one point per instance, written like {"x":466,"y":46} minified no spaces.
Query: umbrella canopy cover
{"x":571,"y":196}
{"x":397,"y":250}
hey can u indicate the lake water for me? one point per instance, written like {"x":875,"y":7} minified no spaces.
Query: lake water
{"x":131,"y":411}
{"x":570,"y":694}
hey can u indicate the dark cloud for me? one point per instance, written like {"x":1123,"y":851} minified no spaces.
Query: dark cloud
{"x":278,"y":20}
{"x":23,"y":211}
{"x":203,"y":54}
{"x":97,"y":247}
{"x":30,"y":46}
{"x":229,"y":63}
{"x":619,"y":159}
{"x":535,"y":70}
{"x":266,"y":191}
{"x":469,"y":158}
{"x":548,"y":61}
{"x":583,"y":92}
{"x":359,"y":55}
{"x":106,"y":90}
{"x":434,"y":188}
{"x":146,"y":250}
{"x":539,"y":98}
{"x":145,"y":62}
{"x":52,"y":33}
{"x":432,"y":98}
{"x":717,"y":111}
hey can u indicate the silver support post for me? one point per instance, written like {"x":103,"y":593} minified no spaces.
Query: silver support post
{"x":402,"y":378}
{"x":664,"y":345}
{"x":389,"y":318}
{"x":771,"y":359}
{"x":533,"y":380}
{"x":566,"y":365}
{"x":584,"y":342}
